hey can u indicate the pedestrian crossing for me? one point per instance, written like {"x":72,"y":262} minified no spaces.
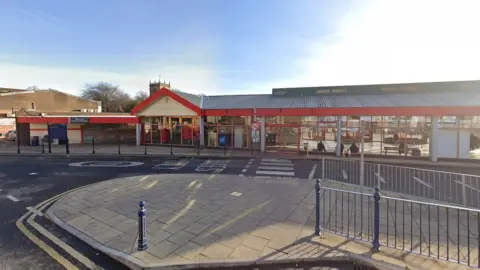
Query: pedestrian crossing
{"x":275,"y":167}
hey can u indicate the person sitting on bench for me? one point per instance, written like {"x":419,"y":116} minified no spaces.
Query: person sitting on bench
{"x":321,"y":147}
{"x":354,"y":149}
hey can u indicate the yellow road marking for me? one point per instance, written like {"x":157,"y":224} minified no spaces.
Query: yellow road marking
{"x":84,"y":260}
{"x":42,"y":245}
{"x":50,"y":251}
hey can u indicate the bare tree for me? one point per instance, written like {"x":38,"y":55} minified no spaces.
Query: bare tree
{"x":112,"y":97}
{"x":33,"y":88}
{"x":141,"y":96}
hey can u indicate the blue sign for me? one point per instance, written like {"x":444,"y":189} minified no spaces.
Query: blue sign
{"x":222,"y":140}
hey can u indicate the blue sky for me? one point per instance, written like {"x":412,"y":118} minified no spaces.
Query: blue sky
{"x":218,"y":47}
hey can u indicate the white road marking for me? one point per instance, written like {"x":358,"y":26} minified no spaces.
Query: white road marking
{"x":275,"y":168}
{"x":12,"y":198}
{"x":144,"y":178}
{"x":172,"y":165}
{"x":240,"y":174}
{"x":276,"y":173}
{"x":345,"y":176}
{"x":244,"y":170}
{"x":111,"y":164}
{"x":276,"y":164}
{"x":379,"y":177}
{"x":312,"y":172}
{"x":276,"y":160}
{"x":35,"y":211}
{"x":33,"y":173}
{"x":470,"y":187}
{"x":421,"y":182}
{"x":236,"y":194}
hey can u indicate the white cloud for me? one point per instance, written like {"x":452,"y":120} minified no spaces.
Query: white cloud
{"x":393,"y":41}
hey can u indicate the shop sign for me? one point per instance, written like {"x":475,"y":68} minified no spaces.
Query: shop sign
{"x":79,"y":120}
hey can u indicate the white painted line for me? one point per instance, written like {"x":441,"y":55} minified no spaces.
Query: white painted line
{"x":244,"y":170}
{"x":470,"y":187}
{"x":236,"y":194}
{"x":379,"y":177}
{"x":276,"y":173}
{"x":276,"y":160}
{"x":248,"y":165}
{"x":35,"y":211}
{"x":312,"y":172}
{"x":276,"y":168}
{"x":12,"y":198}
{"x":111,"y":164}
{"x":421,"y":182}
{"x":276,"y":164}
{"x":33,"y":173}
{"x":345,"y":176}
{"x":143,"y":178}
{"x":240,"y":174}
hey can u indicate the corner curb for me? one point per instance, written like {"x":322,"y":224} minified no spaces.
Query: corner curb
{"x":121,"y":257}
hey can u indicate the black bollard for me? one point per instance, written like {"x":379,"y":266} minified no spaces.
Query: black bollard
{"x":49,"y":145}
{"x":67,"y":147}
{"x":119,"y":153}
{"x":171,"y":148}
{"x":145,"y":153}
{"x":142,"y":227}
{"x":93,"y":146}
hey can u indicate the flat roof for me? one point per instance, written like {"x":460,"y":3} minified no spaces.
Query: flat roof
{"x":433,"y":98}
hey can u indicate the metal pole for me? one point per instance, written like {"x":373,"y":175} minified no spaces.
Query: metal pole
{"x":119,"y":153}
{"x":142,"y":227}
{"x":225,"y":150}
{"x":18,"y":145}
{"x":362,"y":161}
{"x":93,"y":146}
{"x":49,"y":144}
{"x":67,"y":147}
{"x":376,"y":221}
{"x":43,"y":146}
{"x":323,"y":168}
{"x":145,"y":153}
{"x":317,"y":207}
{"x":171,"y":148}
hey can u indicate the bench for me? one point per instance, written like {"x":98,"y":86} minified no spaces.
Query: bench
{"x":394,"y":149}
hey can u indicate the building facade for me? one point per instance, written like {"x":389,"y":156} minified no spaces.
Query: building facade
{"x":297,"y":119}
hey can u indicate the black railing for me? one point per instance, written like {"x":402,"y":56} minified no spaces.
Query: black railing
{"x":438,"y":231}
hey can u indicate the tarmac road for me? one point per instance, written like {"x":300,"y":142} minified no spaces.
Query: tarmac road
{"x":26,"y":182}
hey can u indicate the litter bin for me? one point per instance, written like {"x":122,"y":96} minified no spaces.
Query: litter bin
{"x":35,"y":141}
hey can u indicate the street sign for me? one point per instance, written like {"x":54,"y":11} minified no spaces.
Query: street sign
{"x":79,"y":120}
{"x":256,"y":131}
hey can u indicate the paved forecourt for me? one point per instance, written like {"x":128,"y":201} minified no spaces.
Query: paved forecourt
{"x":206,"y":218}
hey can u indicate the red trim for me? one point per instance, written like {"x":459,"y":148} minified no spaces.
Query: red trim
{"x":229,"y":112}
{"x":65,"y":120}
{"x":46,"y":129}
{"x":114,"y":120}
{"x":355,"y":111}
{"x":161,"y":93}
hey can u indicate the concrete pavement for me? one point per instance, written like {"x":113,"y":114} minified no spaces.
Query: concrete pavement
{"x":205,"y":219}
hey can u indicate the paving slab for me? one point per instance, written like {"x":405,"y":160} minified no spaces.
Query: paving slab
{"x":268,"y":222}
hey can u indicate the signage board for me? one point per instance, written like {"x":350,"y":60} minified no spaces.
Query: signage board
{"x":79,"y":120}
{"x":256,"y":126}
